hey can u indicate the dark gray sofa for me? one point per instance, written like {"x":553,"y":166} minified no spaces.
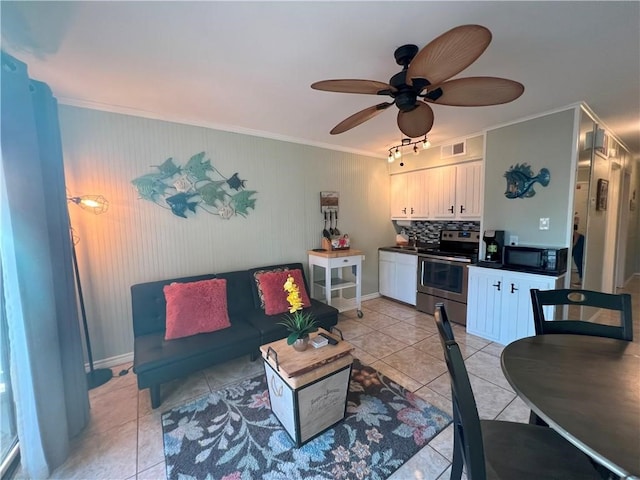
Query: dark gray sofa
{"x":157,"y":361}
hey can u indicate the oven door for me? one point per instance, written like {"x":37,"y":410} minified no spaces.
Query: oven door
{"x":443,"y":277}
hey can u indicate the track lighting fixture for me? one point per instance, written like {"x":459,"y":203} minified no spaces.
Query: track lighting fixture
{"x":396,"y":150}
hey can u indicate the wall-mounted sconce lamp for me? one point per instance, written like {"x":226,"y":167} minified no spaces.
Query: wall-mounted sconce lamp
{"x":94,"y":203}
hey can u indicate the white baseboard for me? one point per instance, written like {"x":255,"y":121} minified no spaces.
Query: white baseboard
{"x":111,"y":362}
{"x":370,"y":296}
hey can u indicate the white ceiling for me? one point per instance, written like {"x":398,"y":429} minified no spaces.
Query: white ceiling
{"x":247,"y":66}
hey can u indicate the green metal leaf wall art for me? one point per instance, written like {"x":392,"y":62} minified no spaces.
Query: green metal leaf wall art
{"x":196,"y":186}
{"x":520,"y":180}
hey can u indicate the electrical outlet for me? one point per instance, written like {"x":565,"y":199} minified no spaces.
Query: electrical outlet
{"x":544,"y":223}
{"x":513,"y":240}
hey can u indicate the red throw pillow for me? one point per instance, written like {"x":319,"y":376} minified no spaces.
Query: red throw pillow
{"x":196,"y":307}
{"x":275,"y":296}
{"x":256,"y":277}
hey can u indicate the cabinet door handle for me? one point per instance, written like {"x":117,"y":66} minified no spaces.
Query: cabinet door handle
{"x":412,"y":210}
{"x":404,"y":210}
{"x":450,"y":209}
{"x":462,"y":209}
{"x":513,"y":288}
{"x":497,"y":285}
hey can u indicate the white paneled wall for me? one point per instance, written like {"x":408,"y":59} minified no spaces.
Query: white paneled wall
{"x":138,"y":241}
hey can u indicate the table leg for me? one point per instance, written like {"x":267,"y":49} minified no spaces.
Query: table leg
{"x":327,"y":284}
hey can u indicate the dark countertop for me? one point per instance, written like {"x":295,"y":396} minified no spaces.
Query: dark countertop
{"x":500,"y":266}
{"x":410,"y":250}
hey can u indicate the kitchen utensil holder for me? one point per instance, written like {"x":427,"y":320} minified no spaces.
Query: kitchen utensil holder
{"x":337,"y":242}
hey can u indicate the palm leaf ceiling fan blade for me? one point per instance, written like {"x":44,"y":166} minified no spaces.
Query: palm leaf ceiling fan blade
{"x":359,"y":117}
{"x":475,"y":92}
{"x":416,"y":122}
{"x":449,"y":54}
{"x":371,"y":87}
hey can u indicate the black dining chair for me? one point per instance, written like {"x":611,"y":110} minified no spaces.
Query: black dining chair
{"x":493,"y":449}
{"x":618,"y":306}
{"x":444,"y":319}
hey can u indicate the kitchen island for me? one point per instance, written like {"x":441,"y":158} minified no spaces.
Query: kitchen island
{"x":337,"y":259}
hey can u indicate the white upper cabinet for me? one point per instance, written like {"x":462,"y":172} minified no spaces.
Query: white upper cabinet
{"x":469,"y":190}
{"x":443,"y":192}
{"x":453,"y":191}
{"x":399,"y":196}
{"x":418,"y":186}
{"x":409,"y":197}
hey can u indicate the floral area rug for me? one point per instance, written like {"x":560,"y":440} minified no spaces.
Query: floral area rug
{"x":231,"y":434}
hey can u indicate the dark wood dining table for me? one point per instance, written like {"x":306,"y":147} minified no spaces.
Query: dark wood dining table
{"x":587,"y":389}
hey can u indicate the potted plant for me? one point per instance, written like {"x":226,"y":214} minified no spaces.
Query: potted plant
{"x":299,"y":324}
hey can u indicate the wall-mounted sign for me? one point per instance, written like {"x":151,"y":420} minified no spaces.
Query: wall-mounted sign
{"x":329,"y":201}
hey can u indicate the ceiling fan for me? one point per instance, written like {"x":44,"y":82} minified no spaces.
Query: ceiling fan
{"x":425,"y":79}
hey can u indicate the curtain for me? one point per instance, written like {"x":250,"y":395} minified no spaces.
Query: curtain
{"x":47,"y":365}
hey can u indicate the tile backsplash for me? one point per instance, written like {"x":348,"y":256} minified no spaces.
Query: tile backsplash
{"x":428,"y":232}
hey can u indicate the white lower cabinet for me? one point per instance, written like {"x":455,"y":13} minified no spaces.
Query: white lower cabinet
{"x":499,"y":303}
{"x":397,"y":276}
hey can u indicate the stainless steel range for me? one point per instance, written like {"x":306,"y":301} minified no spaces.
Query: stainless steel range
{"x":443,"y":273}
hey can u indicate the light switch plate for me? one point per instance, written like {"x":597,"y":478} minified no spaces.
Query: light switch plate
{"x":544,"y":223}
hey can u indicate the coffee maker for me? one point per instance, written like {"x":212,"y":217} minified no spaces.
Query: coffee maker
{"x":494,"y":241}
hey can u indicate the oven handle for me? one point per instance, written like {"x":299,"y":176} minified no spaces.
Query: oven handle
{"x":447,"y":259}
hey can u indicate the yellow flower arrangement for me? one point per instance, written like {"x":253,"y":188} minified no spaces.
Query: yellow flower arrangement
{"x":298,"y":323}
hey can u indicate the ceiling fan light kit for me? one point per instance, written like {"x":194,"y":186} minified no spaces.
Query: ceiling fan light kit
{"x":425,"y":78}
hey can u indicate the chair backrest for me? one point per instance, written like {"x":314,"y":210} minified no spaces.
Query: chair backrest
{"x":442,"y":322}
{"x":583,"y":298}
{"x":468,"y":432}
{"x":466,"y":422}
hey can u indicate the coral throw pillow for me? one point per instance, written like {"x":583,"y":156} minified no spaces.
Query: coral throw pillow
{"x":196,"y":307}
{"x":275,"y":296}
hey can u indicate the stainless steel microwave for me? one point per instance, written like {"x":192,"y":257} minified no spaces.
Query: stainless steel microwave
{"x":552,"y":261}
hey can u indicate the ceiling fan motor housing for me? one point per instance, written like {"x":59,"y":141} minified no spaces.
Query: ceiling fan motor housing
{"x":404,"y":95}
{"x":405,"y":54}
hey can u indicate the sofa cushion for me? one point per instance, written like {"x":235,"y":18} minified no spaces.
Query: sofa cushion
{"x":270,"y":330}
{"x":157,"y":360}
{"x":275,"y":296}
{"x":196,"y":307}
{"x":239,"y":293}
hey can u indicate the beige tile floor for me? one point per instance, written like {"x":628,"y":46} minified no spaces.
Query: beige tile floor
{"x":124,"y":437}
